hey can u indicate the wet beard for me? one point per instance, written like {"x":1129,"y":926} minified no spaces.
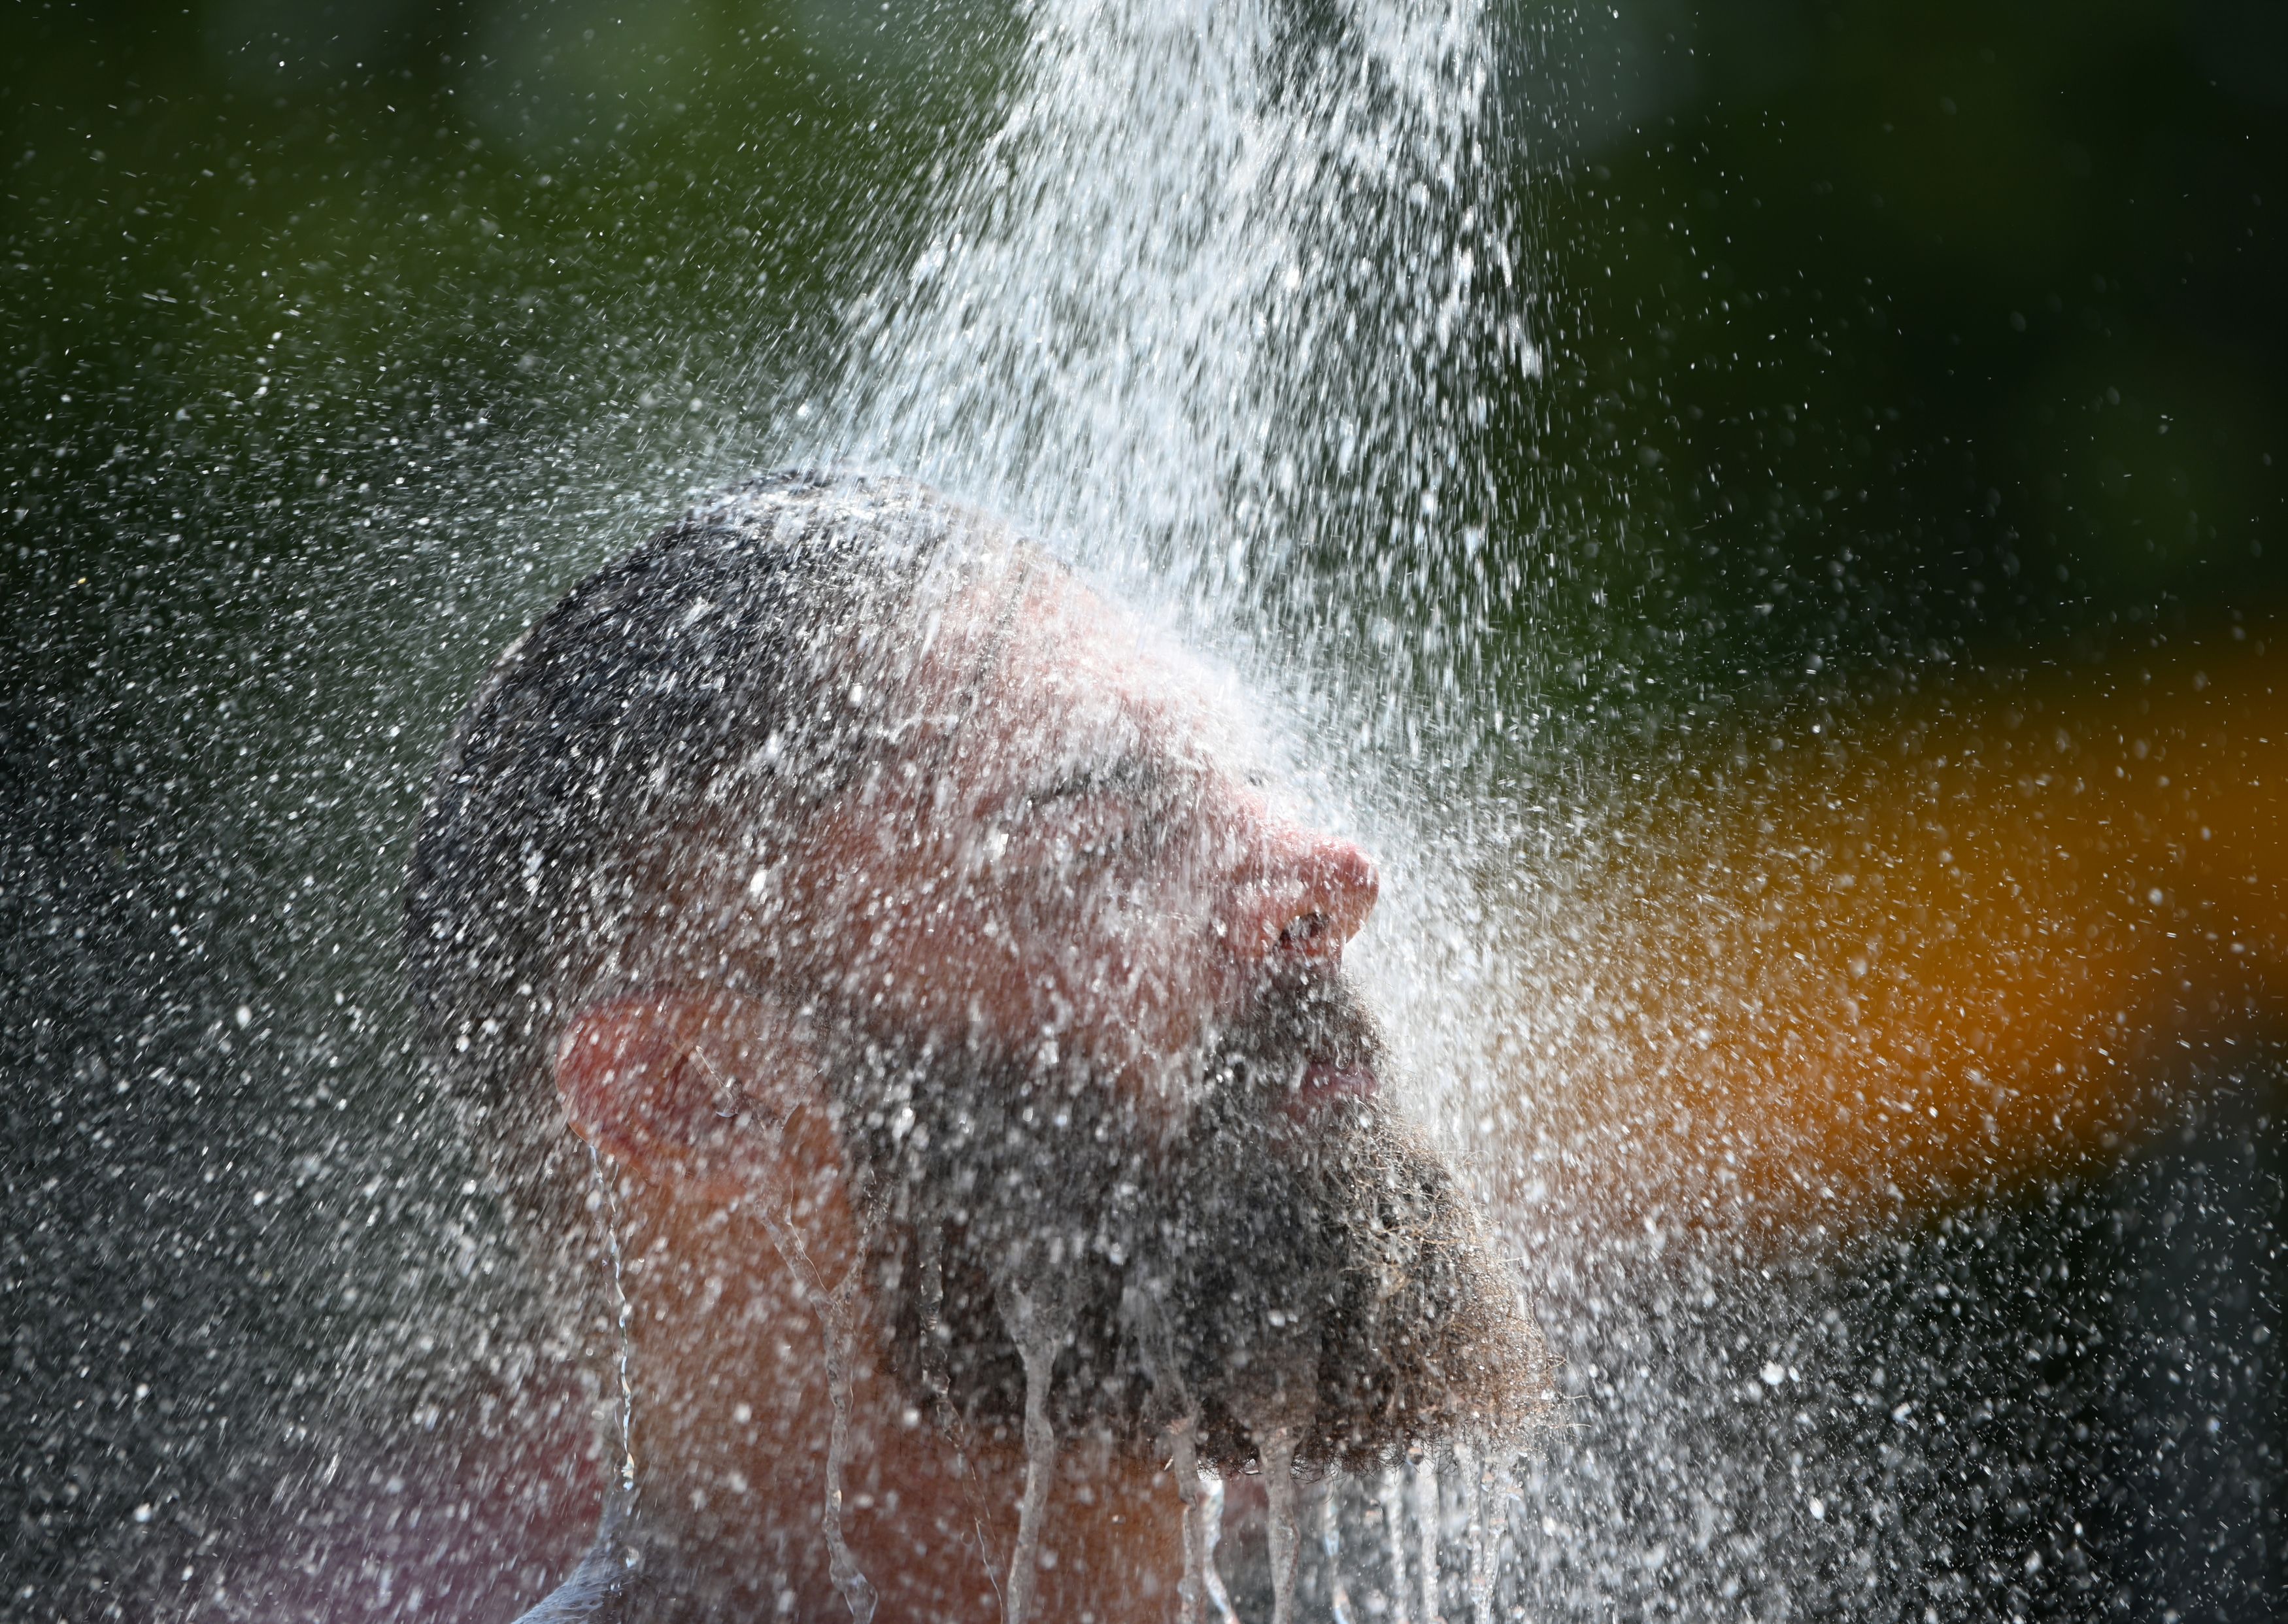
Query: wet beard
{"x":1254,"y":1271}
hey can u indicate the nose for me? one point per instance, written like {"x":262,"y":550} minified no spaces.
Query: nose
{"x":1304,"y":895}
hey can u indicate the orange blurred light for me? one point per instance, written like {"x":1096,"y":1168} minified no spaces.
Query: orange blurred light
{"x":1951,"y":948}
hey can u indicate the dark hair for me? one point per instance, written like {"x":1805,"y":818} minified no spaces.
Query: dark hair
{"x":726,"y":672}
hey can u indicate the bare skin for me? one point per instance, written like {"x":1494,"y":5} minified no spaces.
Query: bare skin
{"x":1769,"y":1045}
{"x":1097,"y":862}
{"x":1066,"y":845}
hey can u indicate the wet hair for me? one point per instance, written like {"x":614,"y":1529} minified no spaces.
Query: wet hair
{"x":727,"y":674}
{"x":1250,"y":1271}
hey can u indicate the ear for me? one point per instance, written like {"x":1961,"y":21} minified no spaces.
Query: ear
{"x":714,"y":1096}
{"x":637,"y":1085}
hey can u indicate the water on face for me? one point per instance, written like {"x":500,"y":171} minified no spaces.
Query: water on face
{"x":1039,"y":1333}
{"x":1215,"y":311}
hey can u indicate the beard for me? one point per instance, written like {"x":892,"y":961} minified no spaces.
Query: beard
{"x":1255,"y":1267}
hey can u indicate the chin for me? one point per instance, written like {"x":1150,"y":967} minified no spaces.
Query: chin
{"x":1293,"y":1257}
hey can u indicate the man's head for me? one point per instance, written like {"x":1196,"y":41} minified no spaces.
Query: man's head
{"x":1068,"y":970}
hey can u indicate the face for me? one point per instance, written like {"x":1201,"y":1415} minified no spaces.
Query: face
{"x":1102,"y":1073}
{"x":1073,"y":851}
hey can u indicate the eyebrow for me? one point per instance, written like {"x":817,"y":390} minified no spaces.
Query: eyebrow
{"x":1131,"y":773}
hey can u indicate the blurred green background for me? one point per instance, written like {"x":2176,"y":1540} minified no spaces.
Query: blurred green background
{"x":1879,"y":340}
{"x":1914,"y":323}
{"x":1939,"y":328}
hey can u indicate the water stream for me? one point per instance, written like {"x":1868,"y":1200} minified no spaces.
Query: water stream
{"x":1216,"y":311}
{"x":1331,"y":1546}
{"x":1039,"y":1331}
{"x":1220,"y":309}
{"x":1391,"y":1502}
{"x":1283,"y":1524}
{"x":1210,"y":1520}
{"x":1429,"y":1517}
{"x":1185,"y":1464}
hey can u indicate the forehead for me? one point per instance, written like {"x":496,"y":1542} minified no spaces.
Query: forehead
{"x":1037,"y":660}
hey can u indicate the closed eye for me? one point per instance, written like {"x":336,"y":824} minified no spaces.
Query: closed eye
{"x":1133,"y":778}
{"x":1106,"y":808}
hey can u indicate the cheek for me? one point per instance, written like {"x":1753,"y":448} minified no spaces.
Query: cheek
{"x":1117,"y":955}
{"x":1124,"y":955}
{"x":1087,"y":967}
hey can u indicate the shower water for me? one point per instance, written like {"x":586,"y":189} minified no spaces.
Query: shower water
{"x":1216,"y":311}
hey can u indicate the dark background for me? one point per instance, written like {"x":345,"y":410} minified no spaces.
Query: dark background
{"x":1925,"y":339}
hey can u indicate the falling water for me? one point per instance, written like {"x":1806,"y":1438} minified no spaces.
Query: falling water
{"x":1039,"y":1332}
{"x":1211,"y":1532}
{"x":1214,"y":311}
{"x":1192,"y":1591}
{"x":1477,"y":1478}
{"x":1279,"y":1488}
{"x":1330,"y":1544}
{"x":849,"y":1579}
{"x":838,"y":1307}
{"x":1392,"y":1502}
{"x":1211,"y":301}
{"x":1428,"y":1512}
{"x":622,"y":1327}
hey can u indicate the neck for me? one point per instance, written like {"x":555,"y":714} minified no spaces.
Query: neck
{"x":735,"y":1446}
